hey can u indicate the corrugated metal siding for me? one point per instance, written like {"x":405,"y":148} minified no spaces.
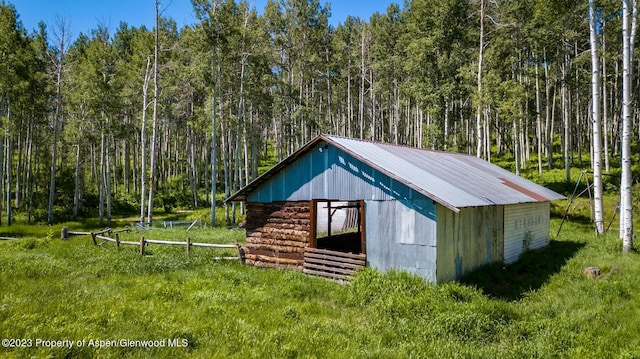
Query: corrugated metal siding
{"x":326,"y":172}
{"x":468,"y":239}
{"x":379,"y":232}
{"x":526,"y":226}
{"x":402,"y":237}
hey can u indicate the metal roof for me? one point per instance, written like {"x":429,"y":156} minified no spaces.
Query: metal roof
{"x":452,"y":179}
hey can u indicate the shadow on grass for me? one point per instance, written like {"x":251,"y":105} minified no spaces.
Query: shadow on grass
{"x":511,"y":281}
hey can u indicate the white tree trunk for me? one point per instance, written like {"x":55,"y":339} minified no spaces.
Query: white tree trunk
{"x":214,"y":146}
{"x":154,"y":134}
{"x":626,"y":209}
{"x":605,"y":114}
{"x":101,"y":180}
{"x":8,"y":158}
{"x":566,"y":119}
{"x":143,"y":140}
{"x":62,"y":36}
{"x":76,"y":189}
{"x":598,"y":207}
{"x":538,"y":121}
{"x":479,"y":140}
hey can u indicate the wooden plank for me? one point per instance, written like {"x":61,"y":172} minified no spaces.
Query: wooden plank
{"x":275,"y":249}
{"x":327,"y":275}
{"x":362,"y":228}
{"x":130,"y":243}
{"x":262,"y":252}
{"x":283,"y":242}
{"x":334,"y":258}
{"x":154,"y":241}
{"x":276,"y":260}
{"x":192,"y":224}
{"x":296,"y":267}
{"x":72,"y":233}
{"x":326,"y":269}
{"x":335,"y":264}
{"x":336,"y":253}
{"x":212,"y":245}
{"x":313,"y":225}
{"x":332,"y":264}
{"x":106,"y":238}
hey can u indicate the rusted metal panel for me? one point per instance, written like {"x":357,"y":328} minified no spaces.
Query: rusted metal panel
{"x":526,"y":226}
{"x":468,"y":239}
{"x":447,"y":253}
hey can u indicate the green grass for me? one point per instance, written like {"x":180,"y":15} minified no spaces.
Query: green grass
{"x":541,"y":307}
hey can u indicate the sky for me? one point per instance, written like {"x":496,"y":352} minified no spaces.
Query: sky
{"x":85,"y":15}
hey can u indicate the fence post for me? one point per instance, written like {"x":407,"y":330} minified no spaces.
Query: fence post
{"x":188,"y":245}
{"x":93,"y":237}
{"x":64,"y":234}
{"x":240,"y":252}
{"x":142,"y":246}
{"x":117,"y":240}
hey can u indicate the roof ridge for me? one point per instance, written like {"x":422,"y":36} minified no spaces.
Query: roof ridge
{"x":329,"y":136}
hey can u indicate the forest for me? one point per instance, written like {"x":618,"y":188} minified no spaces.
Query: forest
{"x":142,"y":119}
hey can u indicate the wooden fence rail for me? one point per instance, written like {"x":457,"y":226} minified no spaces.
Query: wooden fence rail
{"x":187,"y":244}
{"x":168,"y":224}
{"x":66,"y":233}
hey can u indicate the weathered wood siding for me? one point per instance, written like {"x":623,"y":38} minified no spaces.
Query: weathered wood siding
{"x":335,"y":265}
{"x":526,"y":226}
{"x":277,"y":234}
{"x":468,"y":239}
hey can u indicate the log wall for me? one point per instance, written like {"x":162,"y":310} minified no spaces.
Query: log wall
{"x":277,"y":234}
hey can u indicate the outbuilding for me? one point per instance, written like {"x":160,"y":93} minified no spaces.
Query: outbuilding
{"x":338,"y":203}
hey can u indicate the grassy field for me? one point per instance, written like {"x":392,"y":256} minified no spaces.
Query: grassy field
{"x":102,"y":300}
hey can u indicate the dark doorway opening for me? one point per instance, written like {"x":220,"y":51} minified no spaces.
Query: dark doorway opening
{"x":338,"y":225}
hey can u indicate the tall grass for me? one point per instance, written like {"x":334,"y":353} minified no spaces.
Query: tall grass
{"x":541,"y":307}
